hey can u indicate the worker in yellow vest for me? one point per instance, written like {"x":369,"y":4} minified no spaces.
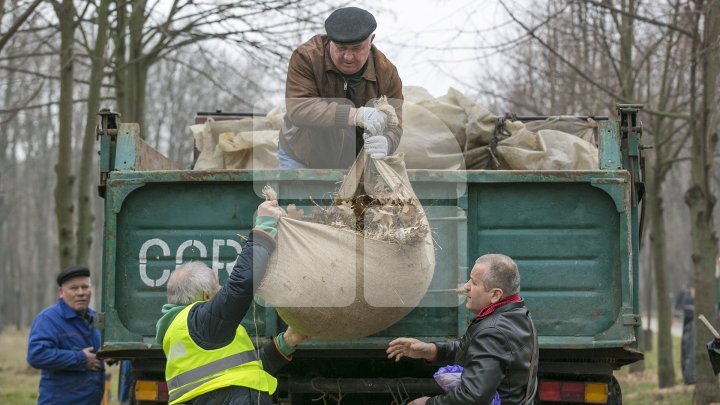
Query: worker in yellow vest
{"x":210,"y":357}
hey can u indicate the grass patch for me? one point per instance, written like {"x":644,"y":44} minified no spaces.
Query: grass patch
{"x":642,"y":388}
{"x":18,"y":381}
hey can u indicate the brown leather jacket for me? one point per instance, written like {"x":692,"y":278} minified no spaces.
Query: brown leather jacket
{"x":315,"y":130}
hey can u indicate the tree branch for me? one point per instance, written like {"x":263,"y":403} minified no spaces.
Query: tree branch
{"x":582,"y":74}
{"x":16,"y":25}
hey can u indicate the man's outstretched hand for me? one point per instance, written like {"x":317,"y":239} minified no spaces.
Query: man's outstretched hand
{"x":412,"y":348}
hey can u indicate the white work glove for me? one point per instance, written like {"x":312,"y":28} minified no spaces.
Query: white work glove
{"x":376,"y":146}
{"x":372,"y":119}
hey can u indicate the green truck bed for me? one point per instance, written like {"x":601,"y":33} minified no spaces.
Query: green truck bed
{"x":573,"y":234}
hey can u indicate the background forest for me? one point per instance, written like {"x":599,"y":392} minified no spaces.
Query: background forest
{"x":158,"y":62}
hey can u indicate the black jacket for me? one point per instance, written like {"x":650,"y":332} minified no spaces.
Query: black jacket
{"x":495,"y":353}
{"x":212,"y":324}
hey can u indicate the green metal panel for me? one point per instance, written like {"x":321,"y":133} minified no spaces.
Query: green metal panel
{"x":569,"y":232}
{"x":567,"y":240}
{"x":125,"y":146}
{"x":610,"y":156}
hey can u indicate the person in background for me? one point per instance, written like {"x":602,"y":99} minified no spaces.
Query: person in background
{"x":126,"y":382}
{"x":330,"y":81}
{"x":497,"y":353}
{"x":63,"y":341}
{"x":687,"y":358}
{"x":210,"y":357}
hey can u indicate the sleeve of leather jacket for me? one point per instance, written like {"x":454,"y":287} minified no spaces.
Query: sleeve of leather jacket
{"x":446,"y":352}
{"x":484,"y":368}
{"x":214,"y":322}
{"x":304,"y":105}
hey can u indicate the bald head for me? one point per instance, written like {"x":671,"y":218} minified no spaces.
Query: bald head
{"x":191,"y":282}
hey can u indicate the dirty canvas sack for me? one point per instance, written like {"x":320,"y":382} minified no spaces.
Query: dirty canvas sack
{"x":334,"y":283}
{"x":247,"y":143}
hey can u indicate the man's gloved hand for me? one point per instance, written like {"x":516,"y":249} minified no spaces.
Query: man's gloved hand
{"x":376,"y":146}
{"x":372,"y":119}
{"x":270,"y":209}
{"x":293,"y":338}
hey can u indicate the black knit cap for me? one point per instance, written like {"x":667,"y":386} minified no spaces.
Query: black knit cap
{"x":72,"y":272}
{"x":349,"y":25}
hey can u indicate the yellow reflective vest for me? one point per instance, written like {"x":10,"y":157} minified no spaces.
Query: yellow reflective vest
{"x":191,"y":370}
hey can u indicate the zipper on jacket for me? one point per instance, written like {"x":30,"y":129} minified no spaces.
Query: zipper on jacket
{"x":344,"y":84}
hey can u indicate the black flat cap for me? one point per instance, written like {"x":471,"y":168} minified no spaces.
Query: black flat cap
{"x":349,"y":25}
{"x":72,"y":272}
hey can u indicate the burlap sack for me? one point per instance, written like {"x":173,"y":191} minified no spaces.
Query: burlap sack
{"x":334,"y":283}
{"x":248,"y":143}
{"x":433,"y":132}
{"x":250,"y":149}
{"x":583,"y":129}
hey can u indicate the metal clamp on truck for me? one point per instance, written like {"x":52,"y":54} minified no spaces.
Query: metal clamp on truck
{"x":574,"y":235}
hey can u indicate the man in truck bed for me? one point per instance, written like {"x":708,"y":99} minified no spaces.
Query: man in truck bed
{"x":330,"y":80}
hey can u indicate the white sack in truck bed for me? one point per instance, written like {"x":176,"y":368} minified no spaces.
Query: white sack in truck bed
{"x":333,"y":281}
{"x":450,"y":132}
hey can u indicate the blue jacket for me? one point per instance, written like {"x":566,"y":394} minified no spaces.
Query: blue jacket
{"x":57,"y":337}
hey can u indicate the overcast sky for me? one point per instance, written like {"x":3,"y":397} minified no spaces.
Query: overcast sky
{"x":438,"y":44}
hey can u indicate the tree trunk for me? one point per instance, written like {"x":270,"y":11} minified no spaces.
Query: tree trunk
{"x":653,"y":199}
{"x":699,"y":196}
{"x":137,"y":65}
{"x":119,"y":57}
{"x":65,"y":179}
{"x":85,"y":215}
{"x":131,"y":63}
{"x":626,"y":46}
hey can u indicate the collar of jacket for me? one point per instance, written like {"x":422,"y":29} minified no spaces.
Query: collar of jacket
{"x":169,"y":312}
{"x":330,"y":66}
{"x":69,"y":313}
{"x":501,"y":306}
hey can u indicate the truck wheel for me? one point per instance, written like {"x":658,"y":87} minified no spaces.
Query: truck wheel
{"x":614,"y":392}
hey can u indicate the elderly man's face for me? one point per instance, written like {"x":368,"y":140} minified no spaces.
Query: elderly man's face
{"x":479,"y":297}
{"x":350,"y":58}
{"x":76,"y":293}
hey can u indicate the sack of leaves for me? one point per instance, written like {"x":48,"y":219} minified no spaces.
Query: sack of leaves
{"x":358,"y":266}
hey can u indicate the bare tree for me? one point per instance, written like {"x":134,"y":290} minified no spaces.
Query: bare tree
{"x":259,"y":29}
{"x":98,"y":62}
{"x":64,"y":187}
{"x":586,"y":55}
{"x":705,"y":65}
{"x":18,"y":22}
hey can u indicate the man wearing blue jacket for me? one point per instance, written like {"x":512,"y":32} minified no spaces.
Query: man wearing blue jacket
{"x":63,"y":341}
